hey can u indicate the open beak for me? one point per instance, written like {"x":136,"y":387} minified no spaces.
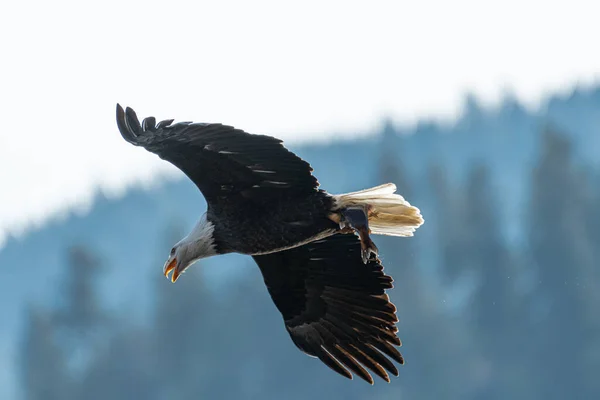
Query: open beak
{"x":171,"y":266}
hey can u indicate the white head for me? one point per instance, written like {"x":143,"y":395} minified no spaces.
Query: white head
{"x":198,"y":244}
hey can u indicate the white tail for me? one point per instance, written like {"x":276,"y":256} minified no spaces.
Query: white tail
{"x":389,"y":213}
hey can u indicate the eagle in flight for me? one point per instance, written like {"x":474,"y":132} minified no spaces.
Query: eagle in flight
{"x":313,"y":248}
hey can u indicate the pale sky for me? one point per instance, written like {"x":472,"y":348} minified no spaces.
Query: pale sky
{"x":296,"y":72}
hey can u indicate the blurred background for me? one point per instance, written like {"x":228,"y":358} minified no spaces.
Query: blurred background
{"x":486,"y":116}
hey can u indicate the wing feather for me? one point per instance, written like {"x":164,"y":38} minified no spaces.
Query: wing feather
{"x":222,"y":160}
{"x":335,"y":307}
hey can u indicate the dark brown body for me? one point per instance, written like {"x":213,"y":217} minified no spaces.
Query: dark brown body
{"x":283,"y":224}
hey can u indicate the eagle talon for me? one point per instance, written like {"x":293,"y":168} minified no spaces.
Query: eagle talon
{"x":367,"y":248}
{"x":356,"y":220}
{"x":365,"y":256}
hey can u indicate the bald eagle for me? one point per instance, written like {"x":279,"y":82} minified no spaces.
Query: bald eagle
{"x":313,"y":248}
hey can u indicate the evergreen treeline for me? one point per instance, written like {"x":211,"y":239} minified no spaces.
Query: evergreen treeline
{"x":481,"y":317}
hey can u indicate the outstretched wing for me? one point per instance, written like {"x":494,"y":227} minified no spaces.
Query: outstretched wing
{"x":222,"y":160}
{"x":334,"y":306}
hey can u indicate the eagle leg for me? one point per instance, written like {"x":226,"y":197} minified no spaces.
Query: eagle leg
{"x":356,"y":219}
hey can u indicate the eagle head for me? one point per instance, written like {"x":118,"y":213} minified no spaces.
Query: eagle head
{"x":198,"y":244}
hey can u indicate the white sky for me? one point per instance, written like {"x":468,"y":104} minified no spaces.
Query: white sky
{"x":264,"y":66}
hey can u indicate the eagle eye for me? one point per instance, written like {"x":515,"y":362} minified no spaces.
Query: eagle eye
{"x":173,"y":251}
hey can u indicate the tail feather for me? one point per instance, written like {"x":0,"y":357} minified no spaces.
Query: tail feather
{"x":389,"y":213}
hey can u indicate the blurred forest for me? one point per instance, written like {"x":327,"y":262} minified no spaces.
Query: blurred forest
{"x":496,"y":293}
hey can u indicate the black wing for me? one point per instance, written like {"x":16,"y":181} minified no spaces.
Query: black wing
{"x":222,"y":160}
{"x":334,"y":306}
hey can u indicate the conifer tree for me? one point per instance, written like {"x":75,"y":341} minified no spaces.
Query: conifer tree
{"x":495,"y":308}
{"x":42,"y":363}
{"x":561,"y":251}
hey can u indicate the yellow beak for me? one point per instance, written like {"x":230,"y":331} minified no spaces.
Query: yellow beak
{"x":170,"y":266}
